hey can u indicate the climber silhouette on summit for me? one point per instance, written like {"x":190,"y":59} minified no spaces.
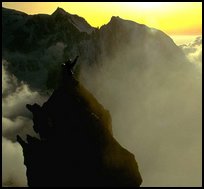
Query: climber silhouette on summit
{"x":68,"y":78}
{"x":69,"y":64}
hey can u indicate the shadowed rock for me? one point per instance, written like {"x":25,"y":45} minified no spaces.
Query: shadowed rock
{"x":76,"y":146}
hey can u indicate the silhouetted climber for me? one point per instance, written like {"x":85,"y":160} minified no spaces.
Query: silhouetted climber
{"x":69,"y":64}
{"x":67,"y":72}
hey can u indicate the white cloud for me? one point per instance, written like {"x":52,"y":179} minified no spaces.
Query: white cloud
{"x":9,"y":82}
{"x":13,"y":169}
{"x":16,"y":119}
{"x":16,"y":95}
{"x":193,"y":51}
{"x":156,"y":114}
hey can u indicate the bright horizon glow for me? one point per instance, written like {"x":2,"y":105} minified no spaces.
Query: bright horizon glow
{"x":173,"y":18}
{"x":183,"y":39}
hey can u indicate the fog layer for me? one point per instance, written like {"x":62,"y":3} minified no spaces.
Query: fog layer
{"x":156,"y":114}
{"x":16,"y":119}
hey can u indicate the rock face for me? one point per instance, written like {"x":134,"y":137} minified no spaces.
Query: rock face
{"x":34,"y":45}
{"x":76,"y":146}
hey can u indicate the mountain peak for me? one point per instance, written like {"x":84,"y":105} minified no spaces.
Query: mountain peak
{"x":79,"y":22}
{"x":60,"y":11}
{"x":115,"y":18}
{"x":75,"y":115}
{"x":119,"y":19}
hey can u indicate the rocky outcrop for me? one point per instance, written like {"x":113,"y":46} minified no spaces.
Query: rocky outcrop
{"x":76,"y":146}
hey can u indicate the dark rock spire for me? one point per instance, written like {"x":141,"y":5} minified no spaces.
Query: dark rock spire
{"x":76,"y":146}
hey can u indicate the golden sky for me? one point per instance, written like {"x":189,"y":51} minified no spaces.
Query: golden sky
{"x":174,"y":18}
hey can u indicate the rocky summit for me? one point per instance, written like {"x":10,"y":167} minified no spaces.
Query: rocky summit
{"x":75,"y":145}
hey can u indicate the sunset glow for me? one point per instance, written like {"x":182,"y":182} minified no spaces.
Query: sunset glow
{"x":174,"y":18}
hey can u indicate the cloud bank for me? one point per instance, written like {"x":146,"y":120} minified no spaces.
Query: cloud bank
{"x":193,"y":51}
{"x":16,"y":119}
{"x":156,"y":114}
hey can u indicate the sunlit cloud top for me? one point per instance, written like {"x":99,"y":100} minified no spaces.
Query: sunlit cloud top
{"x":174,"y":18}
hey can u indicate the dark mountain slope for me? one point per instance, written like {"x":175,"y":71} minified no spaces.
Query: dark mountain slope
{"x":76,"y":146}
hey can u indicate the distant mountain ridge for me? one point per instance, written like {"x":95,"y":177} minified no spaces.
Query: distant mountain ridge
{"x":80,"y":23}
{"x":35,"y":44}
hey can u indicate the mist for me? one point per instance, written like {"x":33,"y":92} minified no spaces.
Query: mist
{"x":16,"y":119}
{"x":193,"y":51}
{"x":34,"y":67}
{"x":155,"y":110}
{"x":156,"y":113}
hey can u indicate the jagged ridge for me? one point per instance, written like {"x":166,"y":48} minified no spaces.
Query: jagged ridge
{"x":34,"y":36}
